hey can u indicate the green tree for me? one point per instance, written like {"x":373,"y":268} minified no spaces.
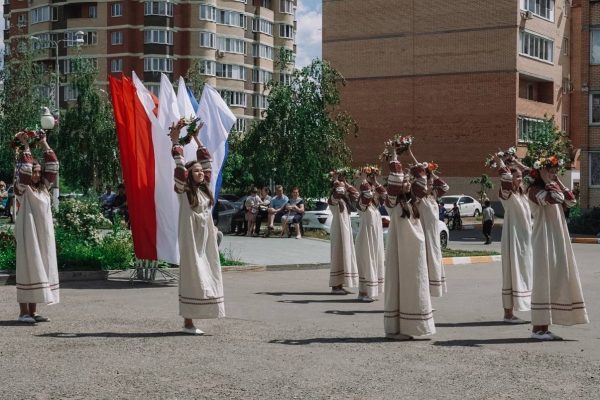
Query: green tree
{"x":194,"y":78}
{"x":302,"y":134}
{"x":87,"y":141}
{"x":547,"y":140}
{"x":485,"y":184}
{"x":236,"y":177}
{"x":20,"y":99}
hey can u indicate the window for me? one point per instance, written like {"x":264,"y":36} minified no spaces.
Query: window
{"x":286,"y":6}
{"x":158,"y":8}
{"x":537,"y":47}
{"x":595,"y":46}
{"x":153,"y":88}
{"x":541,"y":8}
{"x":260,"y":101}
{"x":564,"y":123}
{"x":22,"y":20}
{"x":68,"y":66}
{"x":231,"y":45}
{"x":261,"y":76}
{"x":231,"y":71}
{"x":594,"y":169}
{"x":208,"y":13}
{"x":116,"y":38}
{"x":92,"y":11}
{"x":286,"y":31}
{"x":42,"y":14}
{"x":262,"y":26}
{"x":565,"y":48}
{"x":262,"y":51}
{"x":116,"y":65}
{"x":231,"y":18}
{"x":208,"y":67}
{"x":116,"y":10}
{"x":157,"y":64}
{"x":595,"y":109}
{"x":44,"y":40}
{"x":70,"y":93}
{"x":240,"y":125}
{"x":265,"y":3}
{"x":159,"y":36}
{"x":284,"y":78}
{"x":207,"y":39}
{"x":89,"y":38}
{"x":234,"y":98}
{"x":6,"y":23}
{"x":528,"y":127}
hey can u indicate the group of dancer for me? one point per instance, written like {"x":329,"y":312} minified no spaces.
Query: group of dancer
{"x":538,"y":266}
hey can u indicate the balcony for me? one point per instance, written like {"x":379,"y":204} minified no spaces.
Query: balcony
{"x":536,"y":89}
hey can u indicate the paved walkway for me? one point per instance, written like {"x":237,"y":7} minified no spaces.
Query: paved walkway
{"x":286,"y":337}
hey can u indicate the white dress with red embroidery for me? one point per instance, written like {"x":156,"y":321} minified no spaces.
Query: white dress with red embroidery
{"x":556,"y":296}
{"x":427,"y":194}
{"x":517,"y":251}
{"x":370,"y":253}
{"x":200,"y":279}
{"x":343,"y":258}
{"x":36,"y":270}
{"x":407,"y":308}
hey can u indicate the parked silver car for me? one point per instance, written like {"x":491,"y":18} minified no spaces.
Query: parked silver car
{"x":469,"y":207}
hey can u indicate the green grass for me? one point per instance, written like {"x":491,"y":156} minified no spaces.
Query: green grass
{"x":467,"y":253}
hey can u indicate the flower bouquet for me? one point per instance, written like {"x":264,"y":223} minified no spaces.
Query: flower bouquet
{"x":370,"y":170}
{"x":33,"y":137}
{"x":399,"y":142}
{"x":193,"y":124}
{"x":504,"y":155}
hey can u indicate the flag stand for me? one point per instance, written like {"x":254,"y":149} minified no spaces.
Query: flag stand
{"x":146,"y":270}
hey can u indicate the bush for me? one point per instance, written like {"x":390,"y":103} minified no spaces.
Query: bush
{"x":585,"y":222}
{"x":8,"y":251}
{"x":82,"y":218}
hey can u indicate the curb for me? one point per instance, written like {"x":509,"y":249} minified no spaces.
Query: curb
{"x":585,"y":240}
{"x":63,"y":276}
{"x":470,"y":260}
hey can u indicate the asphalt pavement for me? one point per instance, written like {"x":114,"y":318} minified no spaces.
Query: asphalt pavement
{"x":286,"y":337}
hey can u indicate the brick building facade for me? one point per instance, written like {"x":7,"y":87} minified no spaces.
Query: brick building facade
{"x":464,"y":78}
{"x":236,"y":41}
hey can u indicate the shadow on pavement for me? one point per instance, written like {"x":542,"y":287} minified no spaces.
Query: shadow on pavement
{"x":64,"y":335}
{"x":15,"y":323}
{"x":474,"y":324}
{"x":320,"y":301}
{"x":297,"y":293}
{"x":113,"y":284}
{"x":300,"y":342}
{"x":482,"y":342}
{"x":340,"y":312}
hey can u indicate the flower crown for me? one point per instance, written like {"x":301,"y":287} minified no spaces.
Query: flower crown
{"x":33,"y":136}
{"x":553,"y":161}
{"x":430,"y":166}
{"x":370,"y":170}
{"x":510,"y":153}
{"x":192,"y":124}
{"x":399,"y":142}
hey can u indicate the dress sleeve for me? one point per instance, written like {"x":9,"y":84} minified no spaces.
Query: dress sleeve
{"x":353,"y":193}
{"x":205,"y":160}
{"x":25,"y":169}
{"x":395,"y":179}
{"x":506,"y":184}
{"x":338,"y":192}
{"x":419,"y":185}
{"x":366,"y":196}
{"x":550,"y":194}
{"x":381,"y":193}
{"x":180,"y":171}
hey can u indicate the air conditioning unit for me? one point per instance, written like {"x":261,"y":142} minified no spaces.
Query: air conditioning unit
{"x":220,"y":54}
{"x":527,"y":15}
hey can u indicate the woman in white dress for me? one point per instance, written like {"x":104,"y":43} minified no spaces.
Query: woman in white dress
{"x":426,"y":188}
{"x":200,"y":280}
{"x":517,"y":252}
{"x":407,"y":308}
{"x":556,"y":296}
{"x":36,"y":270}
{"x":370,"y":253}
{"x":343,"y":272}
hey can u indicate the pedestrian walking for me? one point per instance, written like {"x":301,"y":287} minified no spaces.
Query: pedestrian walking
{"x":344,"y":271}
{"x":36,"y":266}
{"x":488,"y":216}
{"x":200,"y":281}
{"x":370,"y":253}
{"x":516,"y":246}
{"x":407,"y":308}
{"x":556,"y":296}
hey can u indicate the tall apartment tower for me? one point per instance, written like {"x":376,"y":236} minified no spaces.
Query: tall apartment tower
{"x":585,"y":124}
{"x":465,"y":78}
{"x":238,"y":42}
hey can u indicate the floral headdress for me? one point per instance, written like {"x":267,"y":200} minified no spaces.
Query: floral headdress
{"x":510,"y":153}
{"x":430,"y":166}
{"x":370,"y":170}
{"x":33,"y":136}
{"x":192,"y":124}
{"x":399,"y":142}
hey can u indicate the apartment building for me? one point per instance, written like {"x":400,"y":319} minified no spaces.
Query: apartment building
{"x":465,"y":78}
{"x":585,"y":124}
{"x":237,"y":42}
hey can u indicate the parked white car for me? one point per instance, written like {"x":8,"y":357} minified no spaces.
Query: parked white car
{"x":469,"y":207}
{"x":317,"y":215}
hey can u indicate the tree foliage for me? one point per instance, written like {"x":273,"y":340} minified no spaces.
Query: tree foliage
{"x":302,"y":134}
{"x":21,"y":99}
{"x":547,"y":140}
{"x":236,"y":177}
{"x":485,"y":184}
{"x":87,"y":141}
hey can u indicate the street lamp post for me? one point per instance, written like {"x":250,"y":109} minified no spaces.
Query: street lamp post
{"x":55,"y":44}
